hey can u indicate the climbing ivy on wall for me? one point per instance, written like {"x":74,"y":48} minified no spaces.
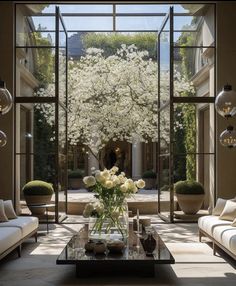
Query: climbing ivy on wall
{"x":188,"y":110}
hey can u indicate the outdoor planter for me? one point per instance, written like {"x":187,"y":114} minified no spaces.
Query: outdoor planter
{"x":150,"y":178}
{"x":75,"y":183}
{"x":37,"y":193}
{"x":190,"y":196}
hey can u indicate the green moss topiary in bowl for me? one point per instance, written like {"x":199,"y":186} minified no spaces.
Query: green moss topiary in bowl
{"x":190,"y":196}
{"x":37,"y":193}
{"x":149,"y":174}
{"x":189,"y":188}
{"x":38,"y":188}
{"x":75,"y":174}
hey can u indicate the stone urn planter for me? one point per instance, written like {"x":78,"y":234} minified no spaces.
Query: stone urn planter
{"x":150,"y":178}
{"x":75,"y":183}
{"x":190,"y":196}
{"x":37,"y":193}
{"x":75,"y":179}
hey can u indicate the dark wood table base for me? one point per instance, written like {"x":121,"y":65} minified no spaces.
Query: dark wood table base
{"x":115,"y":268}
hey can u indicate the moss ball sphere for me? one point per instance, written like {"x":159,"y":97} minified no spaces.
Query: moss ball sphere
{"x":38,"y":188}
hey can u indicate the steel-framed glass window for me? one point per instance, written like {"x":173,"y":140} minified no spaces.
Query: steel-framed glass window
{"x":111,"y":17}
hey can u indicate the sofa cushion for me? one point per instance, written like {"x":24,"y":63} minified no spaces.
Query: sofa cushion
{"x":220,"y":204}
{"x":229,"y":211}
{"x":3,"y":216}
{"x":234,"y":223}
{"x":26,"y":224}
{"x":210,"y":222}
{"x":226,"y":235}
{"x":9,"y":210}
{"x":8,"y":237}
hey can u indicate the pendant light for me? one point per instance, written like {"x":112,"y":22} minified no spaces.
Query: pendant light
{"x":5,"y":106}
{"x":5,"y":99}
{"x":228,"y":137}
{"x":225,"y":102}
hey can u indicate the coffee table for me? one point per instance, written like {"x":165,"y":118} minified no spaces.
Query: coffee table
{"x":132,"y":260}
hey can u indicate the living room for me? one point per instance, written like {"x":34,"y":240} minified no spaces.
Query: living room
{"x":117,"y":110}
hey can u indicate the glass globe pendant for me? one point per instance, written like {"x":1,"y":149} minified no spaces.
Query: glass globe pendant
{"x":228,"y":137}
{"x":5,"y":98}
{"x":225,"y":102}
{"x":3,"y":139}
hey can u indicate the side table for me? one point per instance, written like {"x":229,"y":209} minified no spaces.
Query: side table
{"x":46,"y":206}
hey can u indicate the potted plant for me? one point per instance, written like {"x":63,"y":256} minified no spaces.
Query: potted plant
{"x":37,"y":193}
{"x":190,"y":196}
{"x":149,"y":177}
{"x":75,"y":179}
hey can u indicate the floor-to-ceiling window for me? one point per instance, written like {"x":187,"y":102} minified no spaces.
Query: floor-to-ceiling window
{"x":106,"y":28}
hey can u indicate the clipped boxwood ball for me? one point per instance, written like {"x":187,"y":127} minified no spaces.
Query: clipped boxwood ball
{"x":38,"y":188}
{"x":188,"y":188}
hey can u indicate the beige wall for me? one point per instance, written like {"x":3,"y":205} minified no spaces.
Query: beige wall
{"x":6,"y":121}
{"x":226,"y":73}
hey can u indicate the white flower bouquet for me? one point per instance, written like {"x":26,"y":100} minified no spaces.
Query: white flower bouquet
{"x":111,"y":190}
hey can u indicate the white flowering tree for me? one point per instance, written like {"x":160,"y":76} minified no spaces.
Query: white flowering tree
{"x":115,"y":98}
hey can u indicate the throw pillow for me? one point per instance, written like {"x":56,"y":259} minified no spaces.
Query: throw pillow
{"x":9,"y":210}
{"x":3,"y":216}
{"x":229,"y":211}
{"x":220,"y":204}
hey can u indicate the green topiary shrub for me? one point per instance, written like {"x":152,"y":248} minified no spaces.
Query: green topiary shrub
{"x":188,"y":188}
{"x":38,"y":188}
{"x":149,"y":174}
{"x":75,"y":174}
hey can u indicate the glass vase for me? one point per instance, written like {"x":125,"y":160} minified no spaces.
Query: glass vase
{"x":112,"y":224}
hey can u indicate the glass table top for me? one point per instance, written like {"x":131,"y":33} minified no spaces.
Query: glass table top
{"x":74,"y":252}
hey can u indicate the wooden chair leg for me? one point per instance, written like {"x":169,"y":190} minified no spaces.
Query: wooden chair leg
{"x":19,"y":250}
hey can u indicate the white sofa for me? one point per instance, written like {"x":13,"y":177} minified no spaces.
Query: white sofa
{"x":220,"y":232}
{"x":15,"y":231}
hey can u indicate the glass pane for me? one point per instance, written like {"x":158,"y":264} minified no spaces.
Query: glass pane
{"x":43,"y":23}
{"x":35,"y":143}
{"x":153,"y":8}
{"x":195,"y":30}
{"x":190,"y":8}
{"x":35,"y":38}
{"x":110,"y":42}
{"x":88,"y":23}
{"x":203,"y":24}
{"x":198,"y":168}
{"x":190,"y":38}
{"x":62,"y":67}
{"x":185,"y":120}
{"x":165,"y":130}
{"x":186,"y":23}
{"x":72,"y":8}
{"x":193,"y":128}
{"x":31,"y":30}
{"x":24,"y":171}
{"x":62,"y":35}
{"x":35,"y":67}
{"x":35,"y":128}
{"x":164,"y":67}
{"x":62,"y":76}
{"x":194,"y":72}
{"x":164,"y":187}
{"x":148,"y":8}
{"x":62,"y":171}
{"x":147,"y":23}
